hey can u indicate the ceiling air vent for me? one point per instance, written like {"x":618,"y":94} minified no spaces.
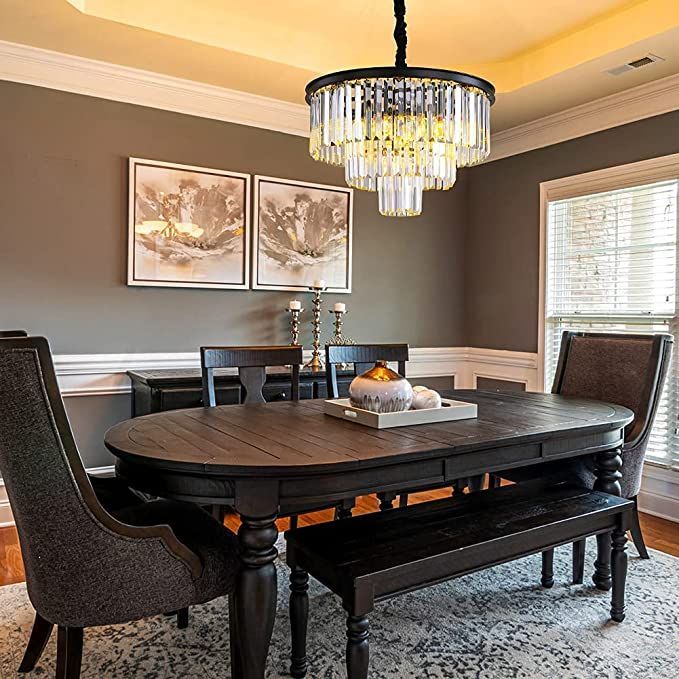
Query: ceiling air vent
{"x":646,"y":60}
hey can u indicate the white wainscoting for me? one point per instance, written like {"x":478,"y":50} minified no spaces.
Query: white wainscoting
{"x":105,"y":374}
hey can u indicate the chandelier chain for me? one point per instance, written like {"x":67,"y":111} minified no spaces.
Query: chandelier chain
{"x":400,"y":34}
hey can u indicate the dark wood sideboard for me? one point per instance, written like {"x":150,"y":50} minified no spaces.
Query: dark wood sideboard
{"x":154,"y":391}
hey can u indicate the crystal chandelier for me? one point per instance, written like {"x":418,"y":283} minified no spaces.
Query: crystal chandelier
{"x":400,"y":130}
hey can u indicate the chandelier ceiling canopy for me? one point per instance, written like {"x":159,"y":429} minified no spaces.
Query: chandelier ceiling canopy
{"x":400,"y":130}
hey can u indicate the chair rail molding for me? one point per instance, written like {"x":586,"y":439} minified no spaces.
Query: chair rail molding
{"x":105,"y":374}
{"x":69,"y":73}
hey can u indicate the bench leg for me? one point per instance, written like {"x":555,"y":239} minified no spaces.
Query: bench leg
{"x":548,"y":568}
{"x":299,"y":615}
{"x":236,"y":665}
{"x":619,"y":568}
{"x":602,"y":565}
{"x":358,"y":648}
{"x":579,"y":561}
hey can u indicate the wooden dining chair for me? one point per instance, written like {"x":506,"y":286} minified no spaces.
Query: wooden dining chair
{"x":252,"y":363}
{"x":84,"y":566}
{"x":624,"y":369}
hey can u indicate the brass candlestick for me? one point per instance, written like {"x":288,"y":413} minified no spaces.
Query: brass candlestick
{"x":294,"y":325}
{"x":316,"y":363}
{"x":338,"y":337}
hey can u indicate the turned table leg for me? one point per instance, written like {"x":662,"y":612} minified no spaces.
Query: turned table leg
{"x":608,"y":465}
{"x":358,"y":648}
{"x":255,"y":595}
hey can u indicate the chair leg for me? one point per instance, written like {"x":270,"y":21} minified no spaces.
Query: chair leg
{"x":386,"y":500}
{"x":69,"y":652}
{"x":637,"y":535}
{"x":579,"y":561}
{"x":358,"y":648}
{"x":475,"y":483}
{"x":344,"y":509}
{"x":299,"y":616}
{"x":494,"y":481}
{"x":548,"y":568}
{"x":40,"y":635}
{"x":618,"y":574}
{"x":294,"y":522}
{"x":236,"y":666}
{"x":403,"y":500}
{"x":183,"y":618}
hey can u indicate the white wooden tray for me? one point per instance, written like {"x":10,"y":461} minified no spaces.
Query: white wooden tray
{"x":449,"y":410}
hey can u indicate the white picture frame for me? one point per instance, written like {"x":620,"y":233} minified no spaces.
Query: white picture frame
{"x":277,"y":264}
{"x":176,"y":257}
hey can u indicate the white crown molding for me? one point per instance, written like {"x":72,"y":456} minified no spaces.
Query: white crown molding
{"x":58,"y":71}
{"x":644,"y":101}
{"x":55,"y":70}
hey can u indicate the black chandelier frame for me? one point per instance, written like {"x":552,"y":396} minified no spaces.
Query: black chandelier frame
{"x":401,"y":70}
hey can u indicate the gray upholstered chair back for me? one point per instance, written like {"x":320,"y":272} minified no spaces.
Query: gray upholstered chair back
{"x":628,"y":370}
{"x":83,"y":567}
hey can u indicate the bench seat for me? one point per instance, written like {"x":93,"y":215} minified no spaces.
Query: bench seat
{"x":376,"y":556}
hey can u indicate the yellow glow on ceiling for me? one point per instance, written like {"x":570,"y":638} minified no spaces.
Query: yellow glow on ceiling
{"x":511,"y":42}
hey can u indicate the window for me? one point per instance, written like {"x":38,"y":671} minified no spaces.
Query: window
{"x":610,"y":264}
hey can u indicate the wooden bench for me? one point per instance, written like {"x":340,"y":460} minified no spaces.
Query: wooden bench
{"x":377,"y":556}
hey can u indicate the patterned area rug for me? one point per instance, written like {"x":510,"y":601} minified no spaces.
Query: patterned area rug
{"x":495,"y":624}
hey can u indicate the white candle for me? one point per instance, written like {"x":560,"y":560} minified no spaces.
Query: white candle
{"x":294,"y":305}
{"x":340,"y":306}
{"x":319,"y":283}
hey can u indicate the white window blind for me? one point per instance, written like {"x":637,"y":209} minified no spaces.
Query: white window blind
{"x":611,"y":265}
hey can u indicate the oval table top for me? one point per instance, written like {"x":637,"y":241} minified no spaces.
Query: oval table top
{"x":299,"y":438}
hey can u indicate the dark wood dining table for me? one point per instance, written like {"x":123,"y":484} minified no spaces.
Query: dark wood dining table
{"x":268,"y":460}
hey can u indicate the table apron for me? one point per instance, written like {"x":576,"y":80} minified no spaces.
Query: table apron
{"x":307,"y":490}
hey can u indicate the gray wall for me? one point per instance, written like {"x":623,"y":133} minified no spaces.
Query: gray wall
{"x":502,"y":242}
{"x":465,"y":273}
{"x":63,"y":228}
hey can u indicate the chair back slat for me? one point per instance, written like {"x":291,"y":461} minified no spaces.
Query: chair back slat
{"x":251,"y":363}
{"x":363,"y":357}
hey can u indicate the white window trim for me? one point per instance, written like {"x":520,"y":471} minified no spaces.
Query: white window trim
{"x":611,"y":178}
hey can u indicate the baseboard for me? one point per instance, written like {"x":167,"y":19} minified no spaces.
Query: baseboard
{"x":6,"y":518}
{"x":659,"y":493}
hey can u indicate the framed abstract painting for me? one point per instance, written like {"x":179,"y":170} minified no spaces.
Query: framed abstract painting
{"x":189,"y":227}
{"x":302,"y":234}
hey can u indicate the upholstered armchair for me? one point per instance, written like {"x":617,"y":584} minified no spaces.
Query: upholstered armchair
{"x":625,"y":369}
{"x":85,"y":566}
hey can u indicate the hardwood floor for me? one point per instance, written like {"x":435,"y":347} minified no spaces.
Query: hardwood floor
{"x":659,"y":534}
